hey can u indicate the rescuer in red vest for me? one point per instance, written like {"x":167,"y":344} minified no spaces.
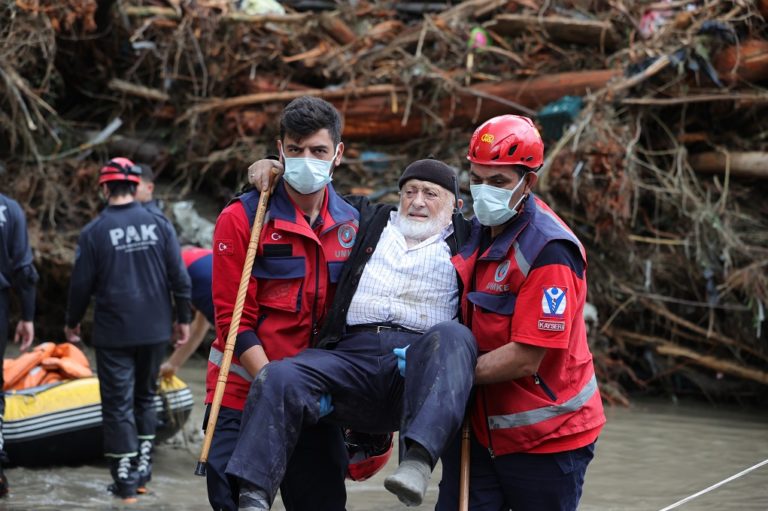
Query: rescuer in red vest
{"x":536,"y":412}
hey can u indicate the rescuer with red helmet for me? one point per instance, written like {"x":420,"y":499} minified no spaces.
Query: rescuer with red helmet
{"x":128,"y":258}
{"x":536,"y":412}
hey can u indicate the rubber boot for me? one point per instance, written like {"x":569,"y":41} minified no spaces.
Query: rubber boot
{"x":144,"y":465}
{"x":3,"y":479}
{"x":126,"y":479}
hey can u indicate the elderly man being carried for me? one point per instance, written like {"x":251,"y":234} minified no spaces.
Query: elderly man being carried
{"x":392,"y":354}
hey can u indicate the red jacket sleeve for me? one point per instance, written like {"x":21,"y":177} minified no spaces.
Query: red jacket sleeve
{"x":230,"y":244}
{"x":551,"y":299}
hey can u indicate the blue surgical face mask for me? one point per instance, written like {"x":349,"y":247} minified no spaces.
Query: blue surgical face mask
{"x":308,"y":175}
{"x":491,"y":204}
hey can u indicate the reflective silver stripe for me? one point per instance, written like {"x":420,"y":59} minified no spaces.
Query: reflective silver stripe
{"x":514,"y":420}
{"x":558,"y":223}
{"x":121,"y":454}
{"x":217,"y":356}
{"x":524,"y":265}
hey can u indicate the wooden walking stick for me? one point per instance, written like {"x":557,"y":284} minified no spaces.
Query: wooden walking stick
{"x":464,"y":468}
{"x":234,"y":324}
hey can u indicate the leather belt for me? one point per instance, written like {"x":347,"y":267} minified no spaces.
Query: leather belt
{"x":376,"y":328}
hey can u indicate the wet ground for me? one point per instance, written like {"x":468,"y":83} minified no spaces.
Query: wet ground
{"x":650,"y":456}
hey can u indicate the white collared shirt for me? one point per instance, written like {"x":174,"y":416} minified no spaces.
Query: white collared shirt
{"x":414,"y":287}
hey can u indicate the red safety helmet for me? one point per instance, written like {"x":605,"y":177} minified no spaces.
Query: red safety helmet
{"x":368,"y":453}
{"x":507,"y":140}
{"x":120,"y":169}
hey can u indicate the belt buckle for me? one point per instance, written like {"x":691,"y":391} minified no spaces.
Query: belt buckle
{"x":379,"y":328}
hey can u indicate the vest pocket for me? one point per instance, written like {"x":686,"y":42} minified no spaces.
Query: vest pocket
{"x":334,"y":271}
{"x":491,"y":319}
{"x":280,"y":281}
{"x":500,"y":304}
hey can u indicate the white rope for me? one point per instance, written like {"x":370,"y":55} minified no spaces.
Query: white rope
{"x":715,"y":486}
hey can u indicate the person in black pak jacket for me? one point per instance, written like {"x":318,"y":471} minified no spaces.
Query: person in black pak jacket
{"x":17,"y":272}
{"x":129,"y":259}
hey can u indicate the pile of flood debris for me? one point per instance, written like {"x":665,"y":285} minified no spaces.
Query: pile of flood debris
{"x":654,"y":114}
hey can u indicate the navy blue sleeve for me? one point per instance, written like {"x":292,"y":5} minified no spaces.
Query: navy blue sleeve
{"x":246,"y":340}
{"x":561,"y":252}
{"x":81,"y":282}
{"x":181,"y":285}
{"x":24,"y":280}
{"x":24,"y":275}
{"x":201,"y":274}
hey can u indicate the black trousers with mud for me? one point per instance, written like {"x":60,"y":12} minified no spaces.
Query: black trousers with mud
{"x":3,"y":343}
{"x":128,"y":385}
{"x":368,"y":395}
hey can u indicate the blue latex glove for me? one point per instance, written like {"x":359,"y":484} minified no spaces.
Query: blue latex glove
{"x":325,"y":405}
{"x":400,"y":354}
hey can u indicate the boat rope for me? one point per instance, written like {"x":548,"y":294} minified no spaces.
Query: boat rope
{"x":715,"y":486}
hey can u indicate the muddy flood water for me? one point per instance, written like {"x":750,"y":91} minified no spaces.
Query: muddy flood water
{"x":649,"y":456}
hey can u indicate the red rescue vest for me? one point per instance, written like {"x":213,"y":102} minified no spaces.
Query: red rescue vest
{"x":292,"y":282}
{"x":511,"y":302}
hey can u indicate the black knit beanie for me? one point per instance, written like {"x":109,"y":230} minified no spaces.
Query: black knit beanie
{"x":430,"y":170}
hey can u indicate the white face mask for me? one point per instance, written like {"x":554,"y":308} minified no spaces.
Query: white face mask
{"x":307,"y":175}
{"x":491,"y":204}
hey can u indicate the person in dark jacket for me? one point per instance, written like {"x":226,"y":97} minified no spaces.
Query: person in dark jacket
{"x":128,"y":258}
{"x":145,"y":190}
{"x":199,"y":263}
{"x":392,"y":354}
{"x":17,"y":272}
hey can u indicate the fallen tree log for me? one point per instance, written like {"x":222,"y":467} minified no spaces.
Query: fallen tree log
{"x":711,"y":338}
{"x":380,"y":118}
{"x":664,"y":347}
{"x":137,"y":90}
{"x":747,"y":164}
{"x":716,"y":364}
{"x":275,"y":97}
{"x":747,"y":61}
{"x":231,"y":17}
{"x":586,"y":32}
{"x":740,"y":99}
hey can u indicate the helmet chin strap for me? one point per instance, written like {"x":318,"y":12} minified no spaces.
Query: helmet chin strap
{"x":456,"y":196}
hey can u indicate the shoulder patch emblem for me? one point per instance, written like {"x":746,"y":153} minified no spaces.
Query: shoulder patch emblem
{"x":553,"y":302}
{"x":347,"y":236}
{"x":225,"y":247}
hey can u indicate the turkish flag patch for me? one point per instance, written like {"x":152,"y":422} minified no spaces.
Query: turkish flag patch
{"x":224,"y":247}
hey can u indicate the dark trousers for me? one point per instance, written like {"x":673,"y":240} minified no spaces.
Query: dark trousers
{"x":223,"y":490}
{"x":521,"y":482}
{"x":3,"y":342}
{"x":314,"y":478}
{"x":368,"y":395}
{"x":128,"y":385}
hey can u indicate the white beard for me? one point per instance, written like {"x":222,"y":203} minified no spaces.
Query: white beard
{"x":419,"y":231}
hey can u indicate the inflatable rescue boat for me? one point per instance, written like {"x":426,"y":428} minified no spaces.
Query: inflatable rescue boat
{"x":59,"y":422}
